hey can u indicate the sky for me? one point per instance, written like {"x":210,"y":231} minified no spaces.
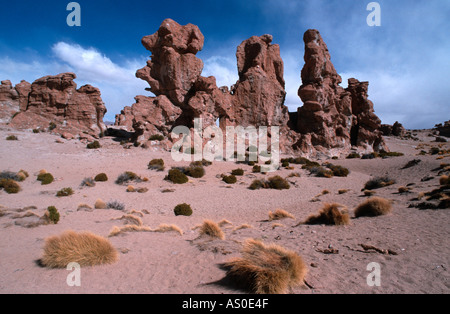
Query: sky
{"x":406,"y":59}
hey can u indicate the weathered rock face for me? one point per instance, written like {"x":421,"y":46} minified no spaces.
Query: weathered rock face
{"x":444,"y":129}
{"x":333,"y":119}
{"x":13,"y":99}
{"x":56,"y":99}
{"x":396,"y":129}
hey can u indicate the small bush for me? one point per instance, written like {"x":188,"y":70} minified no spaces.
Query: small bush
{"x":278,"y":183}
{"x":329,"y":215}
{"x":89,"y":182}
{"x":378,"y":182}
{"x":374,"y":206}
{"x":444,"y":180}
{"x":156,"y":164}
{"x":411,"y":163}
{"x":127,"y":177}
{"x":231,"y":179}
{"x":280,"y":214}
{"x":176,"y":176}
{"x":94,"y":145}
{"x":384,"y":154}
{"x":36,"y":131}
{"x":53,"y":214}
{"x":237,"y":172}
{"x":10,"y":186}
{"x":99,"y":204}
{"x":51,"y":126}
{"x":258,"y":184}
{"x":321,"y":172}
{"x":353,"y":155}
{"x":156,"y":137}
{"x":12,"y":138}
{"x":64,"y":192}
{"x":183,"y":210}
{"x":101,"y":177}
{"x":337,"y":170}
{"x":256,"y":169}
{"x":115,"y":205}
{"x":195,"y":171}
{"x":45,"y":178}
{"x":10,"y":176}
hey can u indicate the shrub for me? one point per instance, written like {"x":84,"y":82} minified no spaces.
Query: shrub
{"x":384,"y":154}
{"x":45,"y":178}
{"x":444,"y":180}
{"x":353,"y":155}
{"x":101,"y":177}
{"x":10,"y":176}
{"x":156,"y":137}
{"x":89,"y":182}
{"x":411,"y":163}
{"x":10,"y":186}
{"x":94,"y":145}
{"x":195,"y":171}
{"x":266,"y":269}
{"x":156,"y":164}
{"x":374,"y":206}
{"x":115,"y":205}
{"x":337,"y":170}
{"x":64,"y":192}
{"x":212,"y":229}
{"x":256,"y":169}
{"x":237,"y":172}
{"x":183,"y":210}
{"x":231,"y":179}
{"x":127,"y":177}
{"x":53,"y":214}
{"x":258,"y":184}
{"x":278,"y":183}
{"x":51,"y":126}
{"x":329,"y":215}
{"x":86,"y":249}
{"x":321,"y":172}
{"x":36,"y":131}
{"x":99,"y":204}
{"x":378,"y":182}
{"x":285,"y":164}
{"x":12,"y":138}
{"x":176,"y":176}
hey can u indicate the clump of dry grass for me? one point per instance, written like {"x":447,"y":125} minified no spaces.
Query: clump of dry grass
{"x":372,"y":207}
{"x":243,"y":226}
{"x":444,"y":180}
{"x":131,"y":220}
{"x":266,"y":269}
{"x":330,"y":214}
{"x":128,"y":228}
{"x":99,"y":204}
{"x":168,"y":228}
{"x":86,"y":249}
{"x":211,"y":229}
{"x":280,"y":214}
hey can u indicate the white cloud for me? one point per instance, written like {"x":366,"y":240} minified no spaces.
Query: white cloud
{"x":224,"y":69}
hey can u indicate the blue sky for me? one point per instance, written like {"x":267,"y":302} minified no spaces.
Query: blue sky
{"x":406,"y":59}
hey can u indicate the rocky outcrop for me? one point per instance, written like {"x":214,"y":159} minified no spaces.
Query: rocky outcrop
{"x":56,"y":100}
{"x":333,"y":119}
{"x":396,"y":129}
{"x":13,"y":99}
{"x":443,"y":128}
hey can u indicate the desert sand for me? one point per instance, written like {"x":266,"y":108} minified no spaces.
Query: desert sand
{"x":170,"y":263}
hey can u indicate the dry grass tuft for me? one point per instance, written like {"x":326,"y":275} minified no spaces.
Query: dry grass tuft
{"x":224,"y":222}
{"x":168,"y":228}
{"x":266,"y":269}
{"x":243,"y":226}
{"x":280,"y":214}
{"x":99,"y":204}
{"x":374,"y":206}
{"x":330,"y":214}
{"x":444,"y":180}
{"x":85,"y":248}
{"x":211,"y":229}
{"x":128,"y":228}
{"x":131,"y":220}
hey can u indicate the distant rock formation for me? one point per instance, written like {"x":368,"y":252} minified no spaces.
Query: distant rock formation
{"x":53,"y":100}
{"x":332,"y":119}
{"x":396,"y":129}
{"x":444,"y":128}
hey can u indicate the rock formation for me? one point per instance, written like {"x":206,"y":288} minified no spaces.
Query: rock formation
{"x":396,"y":129}
{"x":443,"y":128}
{"x":56,"y":100}
{"x":333,"y":119}
{"x":13,"y":99}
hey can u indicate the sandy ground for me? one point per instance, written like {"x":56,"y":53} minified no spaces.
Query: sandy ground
{"x":154,"y":263}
